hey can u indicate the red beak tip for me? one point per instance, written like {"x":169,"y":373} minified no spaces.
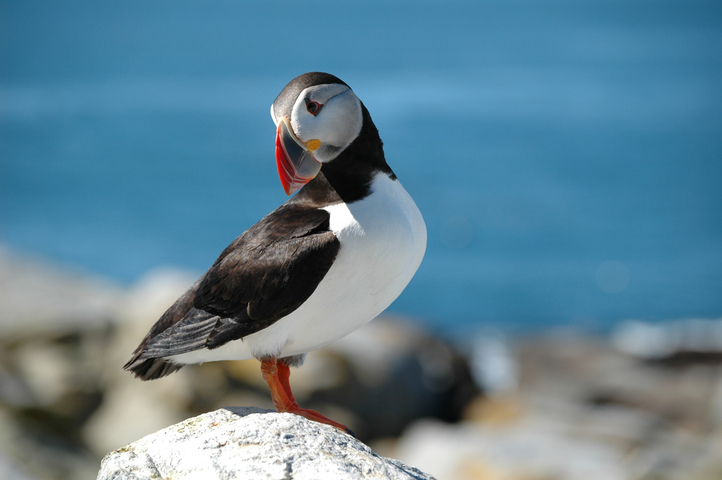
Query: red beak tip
{"x":294,"y":173}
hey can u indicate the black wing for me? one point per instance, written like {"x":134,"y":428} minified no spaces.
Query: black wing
{"x":264,"y":275}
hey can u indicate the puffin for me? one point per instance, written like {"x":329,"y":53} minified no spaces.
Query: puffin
{"x":331,"y":258}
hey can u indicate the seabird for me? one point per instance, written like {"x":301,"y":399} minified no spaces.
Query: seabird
{"x":321,"y":265}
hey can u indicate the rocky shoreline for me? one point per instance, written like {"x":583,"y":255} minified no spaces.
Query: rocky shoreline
{"x":643,"y":403}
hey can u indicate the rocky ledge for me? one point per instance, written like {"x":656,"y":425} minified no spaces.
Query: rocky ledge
{"x":238,"y":443}
{"x":644,"y":402}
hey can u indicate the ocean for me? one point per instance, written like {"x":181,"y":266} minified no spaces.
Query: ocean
{"x":566,"y":155}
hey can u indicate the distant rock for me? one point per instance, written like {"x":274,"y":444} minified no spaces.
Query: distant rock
{"x":239,"y":443}
{"x":691,"y":339}
{"x":645,"y":403}
{"x":39,"y":297}
{"x":581,"y":409}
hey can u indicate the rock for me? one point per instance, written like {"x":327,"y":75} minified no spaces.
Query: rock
{"x":391,"y":372}
{"x":48,"y":299}
{"x":645,"y":403}
{"x":251,"y":443}
{"x":132,"y":408}
{"x":690,"y":339}
{"x":623,"y":418}
{"x":522,"y":451}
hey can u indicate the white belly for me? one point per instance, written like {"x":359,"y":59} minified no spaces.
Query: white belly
{"x":383,"y":240}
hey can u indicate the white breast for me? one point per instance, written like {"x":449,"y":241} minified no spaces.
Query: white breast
{"x":383,"y":240}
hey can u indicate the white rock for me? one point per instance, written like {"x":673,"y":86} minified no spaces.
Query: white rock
{"x":250,"y":443}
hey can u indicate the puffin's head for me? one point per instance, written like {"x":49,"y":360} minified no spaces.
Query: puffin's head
{"x":317,"y":116}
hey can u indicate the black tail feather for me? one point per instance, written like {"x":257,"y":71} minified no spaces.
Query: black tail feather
{"x":150,"y":368}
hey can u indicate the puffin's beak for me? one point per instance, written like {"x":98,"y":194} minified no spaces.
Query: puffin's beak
{"x":295,"y":163}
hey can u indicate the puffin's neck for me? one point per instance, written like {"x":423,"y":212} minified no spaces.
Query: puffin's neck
{"x":350,"y":174}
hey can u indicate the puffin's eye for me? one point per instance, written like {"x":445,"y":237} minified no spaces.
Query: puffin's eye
{"x":313,"y":108}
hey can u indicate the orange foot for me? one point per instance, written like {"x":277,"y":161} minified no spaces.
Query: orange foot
{"x":276,"y":374}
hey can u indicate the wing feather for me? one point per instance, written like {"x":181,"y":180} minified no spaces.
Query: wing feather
{"x":264,"y":275}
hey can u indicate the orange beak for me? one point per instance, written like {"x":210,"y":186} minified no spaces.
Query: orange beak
{"x":295,"y":162}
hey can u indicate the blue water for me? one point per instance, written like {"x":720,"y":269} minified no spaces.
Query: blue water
{"x":567,"y":156}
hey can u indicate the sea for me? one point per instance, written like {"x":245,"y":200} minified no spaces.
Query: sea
{"x":566,"y":155}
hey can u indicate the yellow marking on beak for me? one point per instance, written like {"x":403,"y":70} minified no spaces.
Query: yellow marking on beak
{"x":313,"y":144}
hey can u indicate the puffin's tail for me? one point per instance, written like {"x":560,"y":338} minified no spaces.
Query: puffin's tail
{"x":150,"y":368}
{"x":148,"y":363}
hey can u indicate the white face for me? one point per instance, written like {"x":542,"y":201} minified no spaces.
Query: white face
{"x":326,"y":118}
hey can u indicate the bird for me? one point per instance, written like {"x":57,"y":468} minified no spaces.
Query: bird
{"x":331,"y":258}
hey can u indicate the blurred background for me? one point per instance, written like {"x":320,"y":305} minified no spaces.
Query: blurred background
{"x":565,"y":155}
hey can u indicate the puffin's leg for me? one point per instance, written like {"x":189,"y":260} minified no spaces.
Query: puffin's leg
{"x":276,"y":374}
